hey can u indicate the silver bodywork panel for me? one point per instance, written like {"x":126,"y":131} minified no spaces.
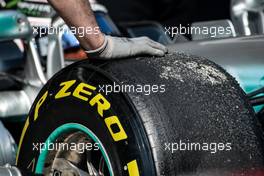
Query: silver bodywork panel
{"x":242,"y":57}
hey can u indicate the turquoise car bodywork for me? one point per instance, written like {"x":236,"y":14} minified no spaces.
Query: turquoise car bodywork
{"x":14,"y":25}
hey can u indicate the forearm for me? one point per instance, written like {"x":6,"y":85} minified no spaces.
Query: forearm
{"x":78,"y":13}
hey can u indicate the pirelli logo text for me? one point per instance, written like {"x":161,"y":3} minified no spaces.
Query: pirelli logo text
{"x":84,"y":92}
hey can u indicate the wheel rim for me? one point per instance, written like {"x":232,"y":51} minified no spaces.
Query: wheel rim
{"x":97,"y":162}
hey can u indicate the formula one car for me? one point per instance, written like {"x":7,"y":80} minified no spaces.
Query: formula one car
{"x":196,"y":111}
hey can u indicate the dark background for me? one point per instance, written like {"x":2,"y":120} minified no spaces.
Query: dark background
{"x":168,"y":12}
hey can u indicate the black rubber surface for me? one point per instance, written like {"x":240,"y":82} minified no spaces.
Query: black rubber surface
{"x":201,"y":104}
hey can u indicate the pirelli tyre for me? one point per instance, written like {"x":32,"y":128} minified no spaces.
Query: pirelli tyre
{"x":178,"y":115}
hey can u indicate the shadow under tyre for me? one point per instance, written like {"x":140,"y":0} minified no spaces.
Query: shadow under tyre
{"x":176,"y":115}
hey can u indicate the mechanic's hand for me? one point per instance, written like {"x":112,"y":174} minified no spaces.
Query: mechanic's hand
{"x":116,"y":47}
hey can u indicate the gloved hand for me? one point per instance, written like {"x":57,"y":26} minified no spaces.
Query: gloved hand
{"x":116,"y":47}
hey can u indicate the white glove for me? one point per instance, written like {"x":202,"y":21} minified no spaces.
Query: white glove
{"x":116,"y":47}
